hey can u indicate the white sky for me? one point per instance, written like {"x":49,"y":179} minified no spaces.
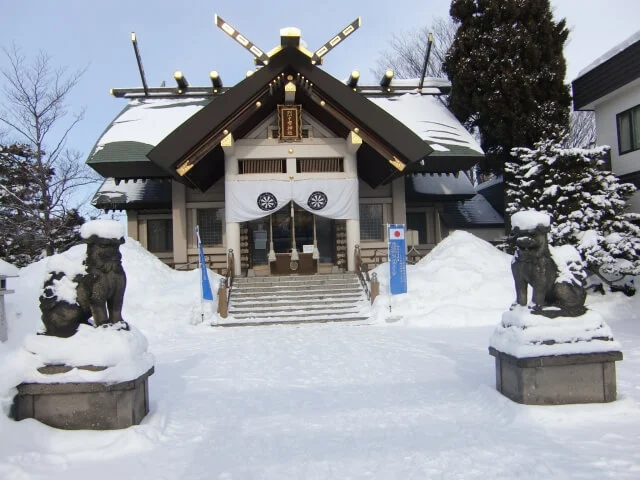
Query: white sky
{"x":182,"y":36}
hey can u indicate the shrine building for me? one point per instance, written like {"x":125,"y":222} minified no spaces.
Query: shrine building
{"x":291,"y":167}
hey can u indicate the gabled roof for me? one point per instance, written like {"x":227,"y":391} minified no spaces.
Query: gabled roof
{"x":326,"y":98}
{"x":154,"y":136}
{"x":615,"y":69}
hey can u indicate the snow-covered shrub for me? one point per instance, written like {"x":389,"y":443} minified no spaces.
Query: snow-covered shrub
{"x":587,"y":203}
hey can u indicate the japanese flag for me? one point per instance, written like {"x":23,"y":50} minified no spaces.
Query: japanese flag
{"x":396,"y":233}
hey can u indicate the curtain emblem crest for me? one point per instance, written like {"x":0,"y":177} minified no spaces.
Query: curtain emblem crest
{"x":267,"y":201}
{"x":317,"y":201}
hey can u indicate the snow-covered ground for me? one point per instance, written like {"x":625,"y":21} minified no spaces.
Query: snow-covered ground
{"x":409,"y":396}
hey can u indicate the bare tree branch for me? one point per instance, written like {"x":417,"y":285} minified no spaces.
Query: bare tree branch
{"x":406,"y":52}
{"x":34,"y":109}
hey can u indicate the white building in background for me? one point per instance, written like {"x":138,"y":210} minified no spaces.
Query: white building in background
{"x":610,"y":86}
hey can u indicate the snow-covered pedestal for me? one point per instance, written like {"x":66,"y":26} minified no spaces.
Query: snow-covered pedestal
{"x":96,"y":380}
{"x":544,"y":361}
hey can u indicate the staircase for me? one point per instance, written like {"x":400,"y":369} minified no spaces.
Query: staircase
{"x":297,"y":299}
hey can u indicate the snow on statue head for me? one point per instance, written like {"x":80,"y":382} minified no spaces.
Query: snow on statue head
{"x":555,"y":274}
{"x":73,"y":294}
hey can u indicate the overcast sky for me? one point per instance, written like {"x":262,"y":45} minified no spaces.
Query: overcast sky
{"x":176,"y":35}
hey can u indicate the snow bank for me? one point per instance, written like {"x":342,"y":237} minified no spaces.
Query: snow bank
{"x":523,"y":334}
{"x":464,"y":281}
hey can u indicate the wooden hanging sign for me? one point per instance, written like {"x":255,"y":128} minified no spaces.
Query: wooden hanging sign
{"x":290,"y":123}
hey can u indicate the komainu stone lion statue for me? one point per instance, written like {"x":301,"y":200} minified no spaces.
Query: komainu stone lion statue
{"x":558,"y":289}
{"x":99,"y":290}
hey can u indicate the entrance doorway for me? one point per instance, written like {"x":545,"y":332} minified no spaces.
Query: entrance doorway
{"x":288,"y":228}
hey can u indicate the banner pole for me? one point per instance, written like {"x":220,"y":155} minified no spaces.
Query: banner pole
{"x":389,"y":260}
{"x":201,"y":285}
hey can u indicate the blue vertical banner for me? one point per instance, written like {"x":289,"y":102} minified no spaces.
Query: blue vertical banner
{"x":397,"y":260}
{"x":206,"y":286}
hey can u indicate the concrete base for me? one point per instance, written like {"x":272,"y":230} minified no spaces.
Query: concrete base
{"x":85,"y":406}
{"x":557,"y":380}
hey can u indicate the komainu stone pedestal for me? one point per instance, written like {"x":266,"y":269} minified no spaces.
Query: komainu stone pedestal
{"x":557,"y":380}
{"x":85,"y":406}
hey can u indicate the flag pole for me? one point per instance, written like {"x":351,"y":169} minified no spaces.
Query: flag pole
{"x":201,"y":284}
{"x":205,"y":285}
{"x":389,"y":260}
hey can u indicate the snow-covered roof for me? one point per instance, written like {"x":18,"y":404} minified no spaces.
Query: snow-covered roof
{"x":7,"y":270}
{"x":429,"y":82}
{"x":610,"y":53}
{"x":137,"y":129}
{"x":495,"y":180}
{"x":432,"y":121}
{"x":476,"y":212}
{"x":148,"y":121}
{"x":442,"y":184}
{"x":145,"y":123}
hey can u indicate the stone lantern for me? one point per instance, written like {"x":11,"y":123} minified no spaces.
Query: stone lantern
{"x":6,"y":270}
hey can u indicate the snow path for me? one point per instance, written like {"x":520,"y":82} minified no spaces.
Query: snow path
{"x":339,"y":401}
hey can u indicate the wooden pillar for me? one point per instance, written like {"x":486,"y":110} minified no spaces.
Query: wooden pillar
{"x":179,"y":221}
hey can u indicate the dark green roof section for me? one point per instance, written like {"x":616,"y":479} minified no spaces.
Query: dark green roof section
{"x":121,"y":151}
{"x":125,"y":160}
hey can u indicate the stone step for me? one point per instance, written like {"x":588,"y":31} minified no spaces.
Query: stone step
{"x":320,"y":295}
{"x":309,"y":300}
{"x":293,"y":278}
{"x":278,"y":309}
{"x":296,"y":299}
{"x":291,"y":321}
{"x":322,"y":310}
{"x":295,"y":287}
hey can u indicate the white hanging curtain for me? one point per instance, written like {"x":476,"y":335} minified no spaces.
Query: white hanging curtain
{"x":249,"y":200}
{"x":335,"y":198}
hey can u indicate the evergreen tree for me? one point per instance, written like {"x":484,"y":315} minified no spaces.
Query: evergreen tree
{"x":25,"y":236}
{"x":587,"y":204}
{"x":507,"y":72}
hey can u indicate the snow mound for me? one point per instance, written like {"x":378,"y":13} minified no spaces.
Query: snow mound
{"x":463,"y":281}
{"x":159,"y":299}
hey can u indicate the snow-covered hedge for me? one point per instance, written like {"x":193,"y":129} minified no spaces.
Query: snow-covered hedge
{"x":587,"y":203}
